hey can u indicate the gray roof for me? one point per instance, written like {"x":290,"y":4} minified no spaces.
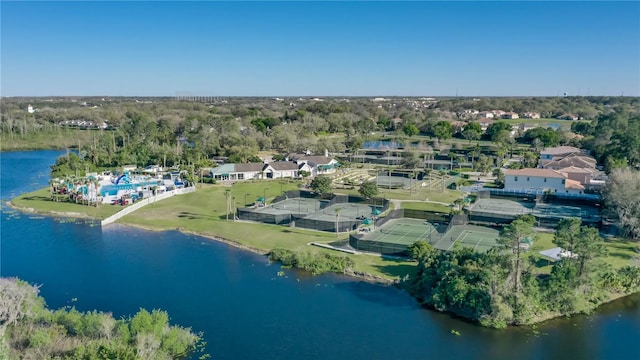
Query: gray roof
{"x":249,"y":167}
{"x":284,"y":165}
{"x":318,"y":160}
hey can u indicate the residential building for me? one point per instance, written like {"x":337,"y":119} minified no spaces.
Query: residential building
{"x":319,"y":164}
{"x":561,"y":162}
{"x":551,"y":152}
{"x":540,"y":180}
{"x":485,"y":114}
{"x":484,"y":123}
{"x":510,"y":115}
{"x":573,"y":117}
{"x":531,"y":115}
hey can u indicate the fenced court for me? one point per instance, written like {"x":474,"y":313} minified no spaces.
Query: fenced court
{"x":503,"y":211}
{"x":395,"y":236}
{"x":479,"y":238}
{"x":394,"y":182}
{"x":296,"y":205}
{"x":303,"y":210}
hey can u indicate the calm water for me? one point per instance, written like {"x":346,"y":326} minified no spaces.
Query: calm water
{"x":248,"y":312}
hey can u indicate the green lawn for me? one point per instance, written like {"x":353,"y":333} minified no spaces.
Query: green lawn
{"x":203,"y":212}
{"x":426,"y":206}
{"x":40,"y":200}
{"x":620,"y":252}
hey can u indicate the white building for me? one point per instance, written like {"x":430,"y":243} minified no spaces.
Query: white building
{"x":280,"y":169}
{"x":540,"y":180}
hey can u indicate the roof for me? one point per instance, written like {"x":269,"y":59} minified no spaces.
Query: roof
{"x":556,"y":253}
{"x":580,"y":161}
{"x":573,"y":184}
{"x":560,"y":150}
{"x":318,"y":160}
{"x":249,"y":167}
{"x":547,"y":173}
{"x":223,"y":169}
{"x":284,"y":165}
{"x":574,"y":169}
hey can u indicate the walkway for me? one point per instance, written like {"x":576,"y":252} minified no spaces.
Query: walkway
{"x":131,"y":208}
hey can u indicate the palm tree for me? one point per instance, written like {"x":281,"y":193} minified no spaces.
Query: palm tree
{"x":337,"y":210}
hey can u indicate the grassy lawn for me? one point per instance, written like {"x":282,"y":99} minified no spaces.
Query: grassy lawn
{"x":426,"y":206}
{"x":620,"y":252}
{"x":40,"y":200}
{"x":204,"y":212}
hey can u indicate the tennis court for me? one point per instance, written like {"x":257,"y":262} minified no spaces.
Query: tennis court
{"x":295,"y":205}
{"x":345,"y":211}
{"x":480,"y":238}
{"x":502,"y":206}
{"x":404,"y":231}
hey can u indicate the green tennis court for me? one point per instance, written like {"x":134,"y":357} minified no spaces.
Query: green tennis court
{"x":479,"y":238}
{"x":402,"y":231}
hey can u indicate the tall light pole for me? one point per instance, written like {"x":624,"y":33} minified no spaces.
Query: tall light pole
{"x":264,"y":196}
{"x":245,"y":199}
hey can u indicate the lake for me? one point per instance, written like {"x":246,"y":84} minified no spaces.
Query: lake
{"x":247,"y":311}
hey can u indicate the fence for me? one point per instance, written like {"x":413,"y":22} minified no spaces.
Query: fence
{"x":357,"y":242}
{"x":131,"y":208}
{"x":308,"y":220}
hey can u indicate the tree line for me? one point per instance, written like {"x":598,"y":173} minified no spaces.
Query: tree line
{"x":502,"y":287}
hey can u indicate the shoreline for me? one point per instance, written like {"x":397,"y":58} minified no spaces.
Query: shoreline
{"x":370,"y":278}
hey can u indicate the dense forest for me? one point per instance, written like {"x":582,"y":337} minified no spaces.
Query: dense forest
{"x":29,"y":330}
{"x":168,"y":132}
{"x":501,"y":287}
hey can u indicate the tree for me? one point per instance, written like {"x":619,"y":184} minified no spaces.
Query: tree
{"x":410,"y":160}
{"x":410,"y":130}
{"x":511,"y":238}
{"x":368,"y":189}
{"x":422,"y":251}
{"x":589,"y":245}
{"x":472,"y":131}
{"x":494,"y":129}
{"x":337,"y":211}
{"x":566,"y":233}
{"x":443,"y":130}
{"x":622,"y":199}
{"x":321,"y":184}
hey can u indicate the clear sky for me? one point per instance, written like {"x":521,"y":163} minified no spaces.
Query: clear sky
{"x":320,"y":48}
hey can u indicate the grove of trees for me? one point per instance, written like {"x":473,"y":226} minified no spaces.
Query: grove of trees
{"x":502,"y":286}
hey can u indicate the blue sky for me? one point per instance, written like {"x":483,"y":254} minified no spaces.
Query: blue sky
{"x":320,"y":48}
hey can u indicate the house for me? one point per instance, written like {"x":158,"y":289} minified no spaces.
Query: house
{"x":30,"y":109}
{"x":280,"y":169}
{"x":540,"y":180}
{"x":583,"y":176}
{"x":510,"y":115}
{"x":498,"y":113}
{"x":484,"y":123}
{"x":238,"y":171}
{"x":561,"y":162}
{"x":531,"y":115}
{"x":485,"y":114}
{"x":573,"y":117}
{"x":559,"y":151}
{"x":319,"y":164}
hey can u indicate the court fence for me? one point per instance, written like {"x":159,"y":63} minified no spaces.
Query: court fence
{"x":308,"y":219}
